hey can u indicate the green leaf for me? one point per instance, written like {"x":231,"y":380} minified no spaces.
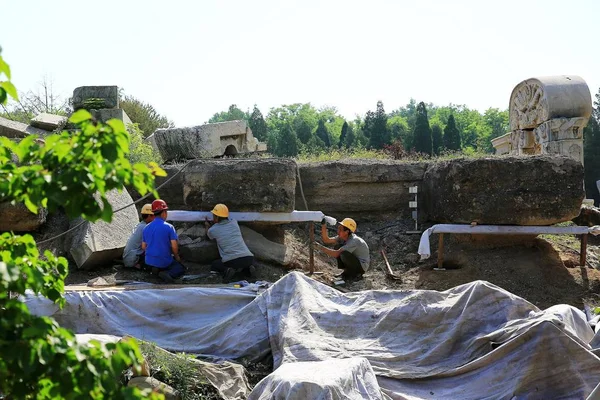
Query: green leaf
{"x":4,"y":67}
{"x":2,"y":96}
{"x":116,"y":124}
{"x":10,"y":89}
{"x":80,"y":116}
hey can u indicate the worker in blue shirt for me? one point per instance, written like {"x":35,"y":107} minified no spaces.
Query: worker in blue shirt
{"x":160,"y":244}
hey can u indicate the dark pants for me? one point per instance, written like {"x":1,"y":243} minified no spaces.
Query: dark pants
{"x":350,"y":264}
{"x":174,"y":270}
{"x":237,"y":264}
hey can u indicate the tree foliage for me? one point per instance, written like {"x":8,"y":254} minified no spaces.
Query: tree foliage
{"x":591,"y":152}
{"x":145,"y":115}
{"x":40,"y":359}
{"x":379,"y":134}
{"x":232,"y":114}
{"x":322,"y":133}
{"x":43,"y":100}
{"x":422,"y":135}
{"x":257,"y":124}
{"x":437,"y":139}
{"x":343,"y":135}
{"x":452,"y":140}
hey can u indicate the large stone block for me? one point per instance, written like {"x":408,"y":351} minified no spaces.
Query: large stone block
{"x":535,"y":190}
{"x":359,"y":188}
{"x":205,"y":141}
{"x":103,"y":97}
{"x":49,"y":122}
{"x":18,"y":218}
{"x":200,"y":251}
{"x":14,"y":129}
{"x":260,"y":185}
{"x":105,"y":114}
{"x":97,"y":244}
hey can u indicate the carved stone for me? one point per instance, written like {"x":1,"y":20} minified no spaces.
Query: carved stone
{"x":560,"y":129}
{"x":569,"y":148}
{"x":537,"y":100}
{"x":502,"y":144}
{"x":523,"y":142}
{"x":107,"y":96}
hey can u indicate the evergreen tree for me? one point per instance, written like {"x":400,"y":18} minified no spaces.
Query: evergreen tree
{"x":452,"y":135}
{"x":380,"y":134}
{"x":273,"y":143}
{"x":343,"y":135}
{"x":257,"y":124}
{"x":350,"y":140}
{"x":323,"y":133}
{"x":591,"y":152}
{"x":288,"y":142}
{"x":422,"y":135}
{"x":368,"y":124}
{"x":304,"y":131}
{"x":437,"y":139}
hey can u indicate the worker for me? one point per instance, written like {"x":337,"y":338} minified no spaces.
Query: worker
{"x":160,"y":243}
{"x":133,"y":255}
{"x":351,"y":251}
{"x":235,"y":255}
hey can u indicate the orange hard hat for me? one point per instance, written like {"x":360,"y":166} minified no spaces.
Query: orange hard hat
{"x":159,"y":205}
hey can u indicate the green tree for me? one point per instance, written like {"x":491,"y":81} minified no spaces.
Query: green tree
{"x":323,"y":133}
{"x":498,"y":125}
{"x":452,"y":140}
{"x":380,"y":134}
{"x":437,"y":139}
{"x":145,"y":115}
{"x":257,"y":124}
{"x":41,"y":360}
{"x":289,"y":145}
{"x":399,"y":130}
{"x":343,"y":135}
{"x":232,"y":114}
{"x":43,"y":100}
{"x":422,"y":133}
{"x":591,"y":152}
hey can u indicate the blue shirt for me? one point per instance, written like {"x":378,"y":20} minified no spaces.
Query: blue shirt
{"x":157,"y":236}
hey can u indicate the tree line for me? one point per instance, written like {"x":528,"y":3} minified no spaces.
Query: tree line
{"x":298,"y":128}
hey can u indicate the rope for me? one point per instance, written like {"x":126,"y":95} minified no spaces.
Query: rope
{"x":120,"y":209}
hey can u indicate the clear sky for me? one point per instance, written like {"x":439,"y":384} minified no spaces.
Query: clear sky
{"x":191,"y":59}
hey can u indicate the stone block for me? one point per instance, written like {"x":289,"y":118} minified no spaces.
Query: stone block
{"x":260,"y":185}
{"x":359,"y":188}
{"x":15,"y":129}
{"x":108,"y":96}
{"x":265,"y":250}
{"x":49,"y":122}
{"x":18,"y":218}
{"x":97,"y":244}
{"x":199,"y":251}
{"x":105,"y":114}
{"x":533,"y":190}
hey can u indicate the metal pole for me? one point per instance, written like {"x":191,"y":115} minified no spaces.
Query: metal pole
{"x":311,"y":250}
{"x":583,"y":250}
{"x":440,"y":263}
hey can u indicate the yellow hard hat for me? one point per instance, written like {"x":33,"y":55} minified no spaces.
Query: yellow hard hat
{"x":349,"y":223}
{"x":147,"y":209}
{"x":221,"y":210}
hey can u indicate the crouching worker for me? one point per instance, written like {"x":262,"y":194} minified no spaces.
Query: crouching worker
{"x":351,"y":251}
{"x":235,"y":256}
{"x":133,"y":255}
{"x":160,"y":244}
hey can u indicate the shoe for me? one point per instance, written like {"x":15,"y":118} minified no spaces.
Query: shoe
{"x":228,"y":274}
{"x":252,"y":270}
{"x":164,"y":275}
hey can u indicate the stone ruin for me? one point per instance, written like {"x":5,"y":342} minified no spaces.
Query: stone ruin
{"x":205,"y":141}
{"x":547,"y":116}
{"x":101,"y":101}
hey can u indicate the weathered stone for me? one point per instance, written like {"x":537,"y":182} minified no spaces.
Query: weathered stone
{"x":265,"y":250}
{"x":589,"y":216}
{"x":538,"y":100}
{"x":49,"y":122}
{"x":560,"y":129}
{"x":105,"y":114}
{"x":195,"y":231}
{"x":18,"y":218}
{"x":260,"y":185}
{"x":155,"y":385}
{"x":101,"y":96}
{"x":172,"y":192}
{"x":200,"y":251}
{"x":96,"y":244}
{"x":205,"y":141}
{"x":536,"y":190}
{"x":359,"y":188}
{"x":14,"y":129}
{"x":502,"y":144}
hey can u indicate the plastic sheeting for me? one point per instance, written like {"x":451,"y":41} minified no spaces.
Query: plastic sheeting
{"x":294,"y":216}
{"x":470,"y":342}
{"x":425,"y":251}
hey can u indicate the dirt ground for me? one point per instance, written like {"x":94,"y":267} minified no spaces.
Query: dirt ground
{"x":542,"y":270}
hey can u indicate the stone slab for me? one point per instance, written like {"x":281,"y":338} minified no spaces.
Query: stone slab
{"x":17,"y":218}
{"x":97,"y":244}
{"x":15,"y":129}
{"x":109,"y":95}
{"x":105,"y":114}
{"x":49,"y":122}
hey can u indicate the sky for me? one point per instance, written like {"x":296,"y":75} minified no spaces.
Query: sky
{"x":191,"y":59}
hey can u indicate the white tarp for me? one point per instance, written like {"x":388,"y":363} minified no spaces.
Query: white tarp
{"x":294,"y":216}
{"x":425,"y":251}
{"x":470,"y":342}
